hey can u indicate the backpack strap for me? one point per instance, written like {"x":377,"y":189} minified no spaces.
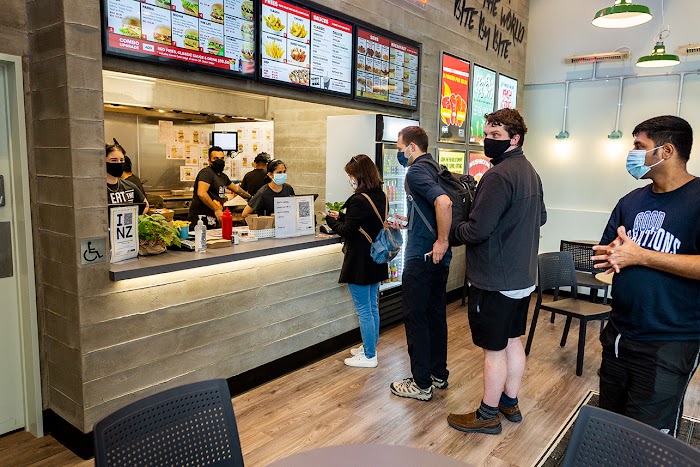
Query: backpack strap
{"x":414,"y":206}
{"x":376,"y":211}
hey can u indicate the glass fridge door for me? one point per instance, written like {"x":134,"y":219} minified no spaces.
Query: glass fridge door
{"x":394,"y":176}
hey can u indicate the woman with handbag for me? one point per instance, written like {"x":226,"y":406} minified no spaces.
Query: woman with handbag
{"x":365,"y":213}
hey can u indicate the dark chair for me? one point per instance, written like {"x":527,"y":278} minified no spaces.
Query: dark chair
{"x":557,"y":270}
{"x":192,"y":424}
{"x":606,"y":439}
{"x":585,"y":272}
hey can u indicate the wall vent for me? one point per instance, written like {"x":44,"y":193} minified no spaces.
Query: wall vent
{"x":602,"y":57}
{"x":689,"y":49}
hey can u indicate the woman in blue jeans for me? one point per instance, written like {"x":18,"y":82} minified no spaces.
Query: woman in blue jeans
{"x":359,"y":271}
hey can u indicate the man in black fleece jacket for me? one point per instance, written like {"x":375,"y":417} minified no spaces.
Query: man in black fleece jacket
{"x":502,"y":236}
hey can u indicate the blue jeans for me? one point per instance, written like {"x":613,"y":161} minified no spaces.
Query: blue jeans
{"x":366,"y":298}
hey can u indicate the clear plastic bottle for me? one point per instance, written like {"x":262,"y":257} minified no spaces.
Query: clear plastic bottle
{"x":200,"y":236}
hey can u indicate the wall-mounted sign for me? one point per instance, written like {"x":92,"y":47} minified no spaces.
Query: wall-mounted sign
{"x":453,"y":160}
{"x":478,"y":165}
{"x":387,"y":70}
{"x":454,"y":95}
{"x":203,"y":34}
{"x":305,"y":48}
{"x":483,"y":97}
{"x":507,"y":92}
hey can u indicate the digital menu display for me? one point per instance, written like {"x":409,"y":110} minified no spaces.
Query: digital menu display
{"x":305,"y":48}
{"x":507,"y":92}
{"x":454,"y":95}
{"x":483,"y":97}
{"x":387,"y":70}
{"x":217,"y":35}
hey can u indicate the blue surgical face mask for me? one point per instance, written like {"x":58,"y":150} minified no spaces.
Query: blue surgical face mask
{"x":635,"y":162}
{"x":280,"y":178}
{"x":401,"y":158}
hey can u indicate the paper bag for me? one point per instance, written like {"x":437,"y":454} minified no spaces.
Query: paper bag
{"x":256,"y":222}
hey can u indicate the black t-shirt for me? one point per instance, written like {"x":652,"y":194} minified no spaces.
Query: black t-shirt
{"x":649,"y":304}
{"x":264,"y":200}
{"x":217,"y":192}
{"x":123,"y":192}
{"x":254,"y":180}
{"x":136,"y":181}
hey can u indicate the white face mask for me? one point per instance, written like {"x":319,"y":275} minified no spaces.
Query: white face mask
{"x":353,"y":183}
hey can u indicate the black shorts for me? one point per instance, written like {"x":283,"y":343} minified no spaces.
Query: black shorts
{"x":495,"y":318}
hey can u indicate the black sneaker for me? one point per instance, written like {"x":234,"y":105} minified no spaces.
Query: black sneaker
{"x":439,"y":383}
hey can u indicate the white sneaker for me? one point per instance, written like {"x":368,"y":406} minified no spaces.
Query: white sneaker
{"x":409,"y":388}
{"x":361,"y":361}
{"x":357,"y":350}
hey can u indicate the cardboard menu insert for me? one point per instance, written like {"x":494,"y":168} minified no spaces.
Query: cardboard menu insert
{"x":211,"y":34}
{"x":305,"y":48}
{"x":386,"y":69}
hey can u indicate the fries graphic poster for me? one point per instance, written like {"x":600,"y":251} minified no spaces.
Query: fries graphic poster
{"x":454,"y":95}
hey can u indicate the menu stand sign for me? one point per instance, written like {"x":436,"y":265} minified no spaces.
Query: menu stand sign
{"x":294,"y":216}
{"x":123,"y":233}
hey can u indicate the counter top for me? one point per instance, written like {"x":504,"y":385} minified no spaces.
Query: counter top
{"x":182,"y":260}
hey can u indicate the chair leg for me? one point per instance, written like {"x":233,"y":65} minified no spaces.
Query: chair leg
{"x":533,"y":325}
{"x":605,"y":295}
{"x":565,"y":334}
{"x":551,"y":319}
{"x":581,"y":346}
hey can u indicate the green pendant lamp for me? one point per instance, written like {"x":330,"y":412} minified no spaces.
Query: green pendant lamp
{"x":623,"y":14}
{"x":659,"y":58}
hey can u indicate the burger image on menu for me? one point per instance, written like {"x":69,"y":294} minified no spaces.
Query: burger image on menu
{"x":215,"y":46}
{"x":191,"y":39}
{"x":248,"y":50}
{"x":217,"y":13}
{"x":131,"y":26}
{"x":163,"y":3}
{"x":247,"y":10}
{"x":247,"y":31}
{"x":162,"y":34}
{"x":190,"y":7}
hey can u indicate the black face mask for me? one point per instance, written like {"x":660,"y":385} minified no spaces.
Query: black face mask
{"x":218,"y":165}
{"x":495,"y":148}
{"x":115,"y":169}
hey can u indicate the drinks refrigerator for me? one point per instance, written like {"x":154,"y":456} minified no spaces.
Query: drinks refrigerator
{"x":375,"y":135}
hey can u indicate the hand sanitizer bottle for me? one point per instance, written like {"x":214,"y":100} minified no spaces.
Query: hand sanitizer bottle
{"x":200,"y":236}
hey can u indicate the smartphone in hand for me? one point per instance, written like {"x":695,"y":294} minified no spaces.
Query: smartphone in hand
{"x":392,"y":219}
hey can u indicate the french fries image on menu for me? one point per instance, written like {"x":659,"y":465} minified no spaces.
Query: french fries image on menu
{"x":298,"y":30}
{"x":273,"y":22}
{"x":273,"y":49}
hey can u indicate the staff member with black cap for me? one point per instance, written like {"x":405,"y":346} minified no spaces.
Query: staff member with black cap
{"x":210,"y":190}
{"x":256,"y":178}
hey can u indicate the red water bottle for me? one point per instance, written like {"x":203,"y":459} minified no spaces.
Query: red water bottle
{"x":226,"y":224}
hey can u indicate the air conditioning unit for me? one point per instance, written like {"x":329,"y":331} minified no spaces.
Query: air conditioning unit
{"x":593,"y":58}
{"x":689,"y":49}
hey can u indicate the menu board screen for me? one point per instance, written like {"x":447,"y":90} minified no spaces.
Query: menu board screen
{"x":483,"y":97}
{"x":305,"y":48}
{"x":217,"y":35}
{"x":387,"y":70}
{"x":454,"y":95}
{"x":507,"y":92}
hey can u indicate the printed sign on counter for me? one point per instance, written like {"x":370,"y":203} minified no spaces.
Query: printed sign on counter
{"x":454,"y":95}
{"x":123,"y":233}
{"x":305,"y":48}
{"x":294,"y":216}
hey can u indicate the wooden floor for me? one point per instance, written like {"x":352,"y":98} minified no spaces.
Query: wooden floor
{"x":328,"y":403}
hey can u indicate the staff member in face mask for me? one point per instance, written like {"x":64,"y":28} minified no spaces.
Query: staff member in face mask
{"x":210,"y":190}
{"x":263,"y":203}
{"x":651,"y":344}
{"x":120,"y":191}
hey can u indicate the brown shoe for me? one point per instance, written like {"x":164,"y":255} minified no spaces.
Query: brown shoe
{"x":512,"y":414}
{"x":469,"y":423}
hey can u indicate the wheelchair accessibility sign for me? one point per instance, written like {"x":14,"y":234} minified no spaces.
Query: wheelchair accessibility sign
{"x":93,"y":251}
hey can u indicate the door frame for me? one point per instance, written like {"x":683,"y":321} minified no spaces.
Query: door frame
{"x":24,"y":246}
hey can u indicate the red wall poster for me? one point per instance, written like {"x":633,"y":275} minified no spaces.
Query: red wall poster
{"x":478,"y":165}
{"x":454,"y":95}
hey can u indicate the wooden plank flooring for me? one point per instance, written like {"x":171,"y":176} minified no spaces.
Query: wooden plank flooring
{"x":328,"y":403}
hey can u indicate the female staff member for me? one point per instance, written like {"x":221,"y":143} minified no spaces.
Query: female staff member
{"x":120,"y":191}
{"x":359,"y":271}
{"x":130,"y":176}
{"x":263,"y":203}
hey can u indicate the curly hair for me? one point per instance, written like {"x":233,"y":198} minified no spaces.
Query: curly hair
{"x":510,"y":120}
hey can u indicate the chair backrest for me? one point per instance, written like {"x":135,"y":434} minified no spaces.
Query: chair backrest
{"x":581,"y":252}
{"x":192,"y":424}
{"x":602,"y":438}
{"x":556,"y":270}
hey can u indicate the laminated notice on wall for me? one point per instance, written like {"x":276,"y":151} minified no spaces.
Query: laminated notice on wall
{"x":188,"y":174}
{"x":166,"y":135}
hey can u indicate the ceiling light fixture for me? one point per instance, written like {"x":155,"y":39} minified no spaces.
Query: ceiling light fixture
{"x":659,"y":58}
{"x":623,"y":14}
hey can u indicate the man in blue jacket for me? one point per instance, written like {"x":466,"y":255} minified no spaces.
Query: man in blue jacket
{"x":502,"y":236}
{"x":651,"y":344}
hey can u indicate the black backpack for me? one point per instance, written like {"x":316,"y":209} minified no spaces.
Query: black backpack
{"x":460,"y":189}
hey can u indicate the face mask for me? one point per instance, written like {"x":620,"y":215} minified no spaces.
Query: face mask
{"x":353,"y":183}
{"x":635,"y":162}
{"x":115,"y":169}
{"x":401,"y":158}
{"x":280,"y":178}
{"x":218,"y":165}
{"x":495,"y":148}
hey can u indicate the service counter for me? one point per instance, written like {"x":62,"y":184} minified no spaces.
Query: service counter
{"x":181,"y":260}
